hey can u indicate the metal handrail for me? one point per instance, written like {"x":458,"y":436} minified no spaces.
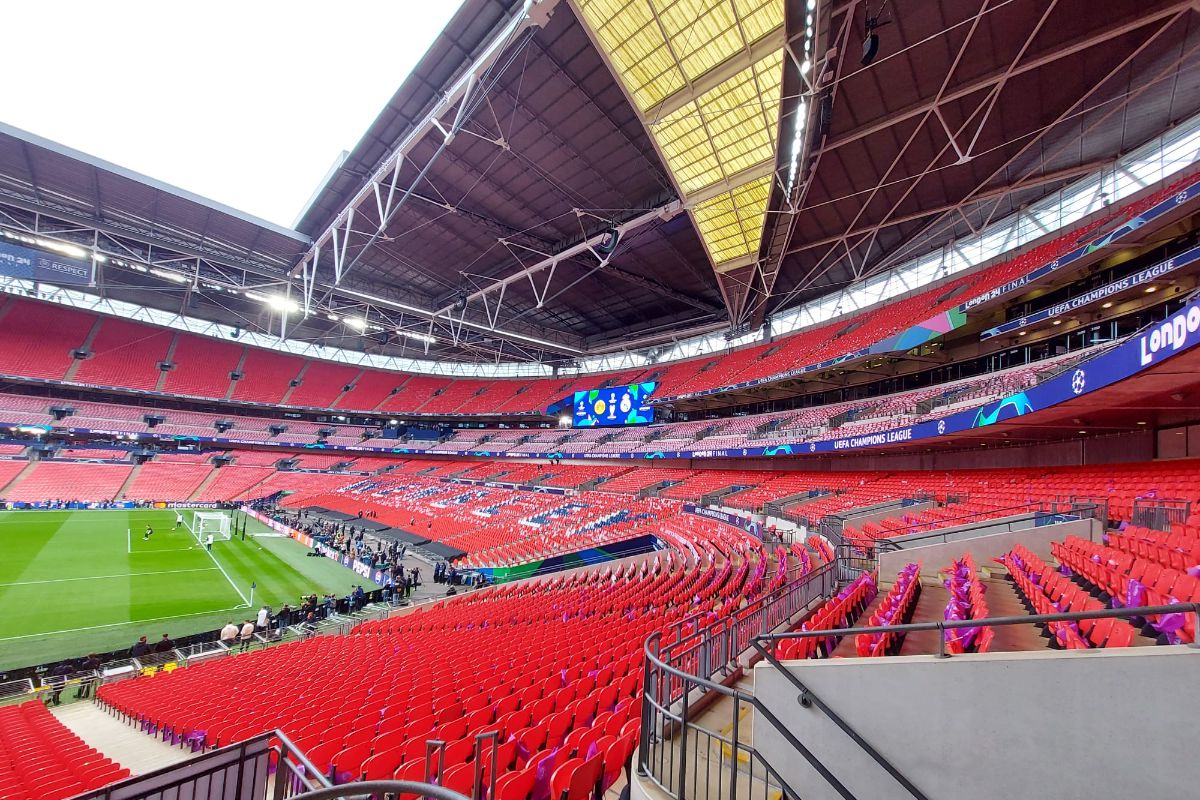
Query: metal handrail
{"x":755,"y":605}
{"x":227,"y":771}
{"x":809,"y":698}
{"x":715,"y":648}
{"x":889,"y":544}
{"x":986,"y":622}
{"x":289,"y":749}
{"x":653,"y":657}
{"x":379,"y":788}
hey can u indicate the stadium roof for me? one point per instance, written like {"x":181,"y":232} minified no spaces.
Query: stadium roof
{"x":558,"y":178}
{"x":972,"y":110}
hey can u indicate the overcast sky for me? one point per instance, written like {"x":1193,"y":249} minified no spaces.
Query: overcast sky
{"x":246,"y":103}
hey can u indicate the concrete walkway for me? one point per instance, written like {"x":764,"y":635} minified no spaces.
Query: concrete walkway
{"x":129,"y":747}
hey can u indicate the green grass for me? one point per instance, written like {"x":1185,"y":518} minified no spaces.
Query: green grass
{"x":72,"y":582}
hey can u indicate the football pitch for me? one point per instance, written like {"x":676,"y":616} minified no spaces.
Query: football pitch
{"x":73,"y":582}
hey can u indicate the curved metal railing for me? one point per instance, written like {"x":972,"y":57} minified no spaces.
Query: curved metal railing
{"x":367,"y":789}
{"x":688,"y":760}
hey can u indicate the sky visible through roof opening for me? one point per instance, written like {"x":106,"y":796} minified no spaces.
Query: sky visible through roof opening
{"x":246,"y":103}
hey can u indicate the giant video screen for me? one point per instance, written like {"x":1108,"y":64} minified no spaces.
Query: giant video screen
{"x":614,"y":406}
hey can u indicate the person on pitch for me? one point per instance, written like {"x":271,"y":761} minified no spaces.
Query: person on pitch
{"x":149,"y":532}
{"x":178,"y":520}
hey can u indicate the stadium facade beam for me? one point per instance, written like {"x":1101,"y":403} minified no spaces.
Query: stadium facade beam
{"x":808,"y":32}
{"x":1056,"y":176}
{"x":727,"y":196}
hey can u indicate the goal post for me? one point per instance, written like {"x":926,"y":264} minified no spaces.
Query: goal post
{"x":218,"y":523}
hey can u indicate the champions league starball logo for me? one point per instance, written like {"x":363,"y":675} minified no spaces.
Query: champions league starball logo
{"x":941,"y":428}
{"x":812,"y":447}
{"x":1078,"y":381}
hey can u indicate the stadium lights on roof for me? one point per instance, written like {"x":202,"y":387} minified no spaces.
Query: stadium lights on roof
{"x":277,"y":302}
{"x":280,"y":303}
{"x":63,"y":247}
{"x":420,"y":337}
{"x":356,"y":323}
{"x":170,"y":276}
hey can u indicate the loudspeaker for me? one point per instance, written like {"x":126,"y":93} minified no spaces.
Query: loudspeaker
{"x":826,"y":118}
{"x":870,"y":48}
{"x":608,"y":244}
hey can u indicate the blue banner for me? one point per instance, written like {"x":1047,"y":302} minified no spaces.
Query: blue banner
{"x":736,"y":520}
{"x":37,"y":265}
{"x":1139,"y":278}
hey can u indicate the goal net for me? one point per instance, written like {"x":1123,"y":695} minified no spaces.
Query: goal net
{"x":217,"y":523}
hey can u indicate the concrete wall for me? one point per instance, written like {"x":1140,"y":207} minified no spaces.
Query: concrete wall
{"x":1068,"y":726}
{"x":887,"y":511}
{"x":786,"y":525}
{"x":984,"y":544}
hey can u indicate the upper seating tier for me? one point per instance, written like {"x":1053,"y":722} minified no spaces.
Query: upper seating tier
{"x":37,"y":340}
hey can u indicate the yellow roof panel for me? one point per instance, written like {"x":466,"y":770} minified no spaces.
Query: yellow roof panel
{"x":703,"y":33}
{"x":726,"y":130}
{"x":631,"y":36}
{"x":731,"y":223}
{"x":659,"y":47}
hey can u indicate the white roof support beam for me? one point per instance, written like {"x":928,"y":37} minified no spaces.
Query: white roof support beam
{"x":551,"y":261}
{"x":381,"y":189}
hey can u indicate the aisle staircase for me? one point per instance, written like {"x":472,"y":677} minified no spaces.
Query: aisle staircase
{"x":129,"y":479}
{"x":8,"y":487}
{"x":123,"y":743}
{"x":209,"y":478}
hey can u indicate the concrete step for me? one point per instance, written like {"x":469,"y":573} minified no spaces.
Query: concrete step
{"x":133,"y":473}
{"x":705,"y":770}
{"x":129,"y":747}
{"x":1003,"y":601}
{"x":212,"y":476}
{"x":930,"y":607}
{"x":845,"y":648}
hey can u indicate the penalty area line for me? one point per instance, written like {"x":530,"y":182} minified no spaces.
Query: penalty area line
{"x":211,"y":555}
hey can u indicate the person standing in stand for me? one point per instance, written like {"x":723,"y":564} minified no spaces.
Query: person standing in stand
{"x":247,"y":635}
{"x":91,"y":666}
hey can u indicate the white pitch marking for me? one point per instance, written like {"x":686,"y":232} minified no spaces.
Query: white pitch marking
{"x":226,"y":574}
{"x":102,"y":577}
